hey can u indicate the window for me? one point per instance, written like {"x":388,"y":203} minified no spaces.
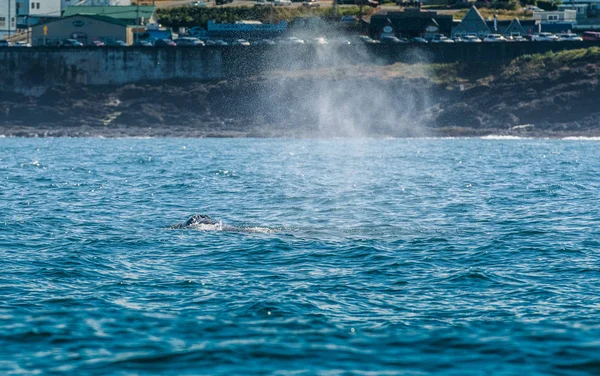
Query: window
{"x":32,"y":5}
{"x":38,"y":5}
{"x":553,"y":17}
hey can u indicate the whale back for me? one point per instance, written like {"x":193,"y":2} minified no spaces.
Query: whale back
{"x":196,"y":220}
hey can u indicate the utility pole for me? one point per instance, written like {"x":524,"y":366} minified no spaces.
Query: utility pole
{"x":360,"y":14}
{"x":335,"y":13}
{"x":8,"y":18}
{"x":137,"y":20}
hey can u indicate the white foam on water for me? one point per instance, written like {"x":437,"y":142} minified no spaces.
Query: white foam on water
{"x":503,"y":137}
{"x":580,"y":138}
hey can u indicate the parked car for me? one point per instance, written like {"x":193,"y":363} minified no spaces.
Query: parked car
{"x":164,"y":43}
{"x":5,"y":43}
{"x":470,"y":39}
{"x":390,"y":39}
{"x":441,"y":39}
{"x":189,"y":41}
{"x":312,"y":4}
{"x":240,"y":42}
{"x":368,"y":40}
{"x":97,"y":43}
{"x":494,"y":38}
{"x":260,"y":3}
{"x":71,"y":43}
{"x":591,"y":35}
{"x":143,"y":43}
{"x":419,"y":40}
{"x":198,"y":3}
{"x":116,"y":43}
{"x":282,"y":2}
{"x":545,"y":37}
{"x":318,"y":41}
{"x":570,"y":37}
{"x":216,"y":42}
{"x":21,"y":44}
{"x":516,"y":38}
{"x":292,"y":40}
{"x":264,"y":42}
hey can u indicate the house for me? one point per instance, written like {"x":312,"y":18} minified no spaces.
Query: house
{"x":512,"y":28}
{"x":581,"y":10}
{"x":556,"y":21}
{"x":127,"y":14}
{"x":410,"y":23}
{"x":32,"y":12}
{"x":8,"y":18}
{"x":567,"y":15}
{"x":84,"y":28}
{"x":102,"y":3}
{"x":472,"y":24}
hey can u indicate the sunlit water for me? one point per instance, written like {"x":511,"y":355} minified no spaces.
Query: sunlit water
{"x":330,"y":256}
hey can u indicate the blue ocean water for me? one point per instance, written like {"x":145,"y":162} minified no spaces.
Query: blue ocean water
{"x":446,"y":256}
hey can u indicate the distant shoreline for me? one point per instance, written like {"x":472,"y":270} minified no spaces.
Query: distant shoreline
{"x":554,"y":95}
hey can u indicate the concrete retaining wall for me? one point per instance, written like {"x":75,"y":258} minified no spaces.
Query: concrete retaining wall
{"x":31,"y":69}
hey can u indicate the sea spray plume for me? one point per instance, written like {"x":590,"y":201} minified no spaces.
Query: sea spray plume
{"x":338,"y":86}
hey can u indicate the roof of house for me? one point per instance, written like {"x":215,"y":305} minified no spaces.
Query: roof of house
{"x":473,"y":22}
{"x":120,"y":12}
{"x":110,"y":20}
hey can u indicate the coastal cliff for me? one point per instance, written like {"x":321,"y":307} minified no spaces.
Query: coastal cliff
{"x":553,"y":94}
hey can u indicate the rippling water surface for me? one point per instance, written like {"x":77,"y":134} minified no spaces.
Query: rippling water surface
{"x":332,"y":256}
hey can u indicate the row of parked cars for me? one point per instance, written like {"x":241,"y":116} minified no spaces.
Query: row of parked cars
{"x":5,"y":43}
{"x":490,"y":38}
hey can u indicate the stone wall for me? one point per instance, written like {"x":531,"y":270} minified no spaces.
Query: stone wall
{"x":33,"y":69}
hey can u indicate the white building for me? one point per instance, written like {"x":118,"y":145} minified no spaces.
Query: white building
{"x":8,"y":18}
{"x":32,"y":12}
{"x":39,"y":8}
{"x":567,"y":15}
{"x":100,"y":3}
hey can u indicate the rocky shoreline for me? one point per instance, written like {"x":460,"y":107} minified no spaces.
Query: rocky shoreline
{"x":561,"y":102}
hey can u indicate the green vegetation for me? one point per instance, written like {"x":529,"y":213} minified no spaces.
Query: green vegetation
{"x":530,"y":66}
{"x":469,"y":75}
{"x":196,"y":16}
{"x":503,"y":14}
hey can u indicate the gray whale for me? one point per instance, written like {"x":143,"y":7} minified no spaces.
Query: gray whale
{"x":206,"y":223}
{"x":196,"y":220}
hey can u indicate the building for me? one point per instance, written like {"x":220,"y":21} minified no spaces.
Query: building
{"x":32,"y":12}
{"x":127,"y":14}
{"x":472,"y":24}
{"x":567,"y":15}
{"x":84,"y":28}
{"x":556,"y":21}
{"x":101,"y":3}
{"x":410,"y":23}
{"x":8,"y":18}
{"x":512,"y":28}
{"x":581,"y":10}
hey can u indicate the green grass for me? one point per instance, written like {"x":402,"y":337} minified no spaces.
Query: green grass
{"x":193,"y":16}
{"x":503,"y":14}
{"x":530,"y":66}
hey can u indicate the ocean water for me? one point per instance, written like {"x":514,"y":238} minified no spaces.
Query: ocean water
{"x":388,"y":256}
